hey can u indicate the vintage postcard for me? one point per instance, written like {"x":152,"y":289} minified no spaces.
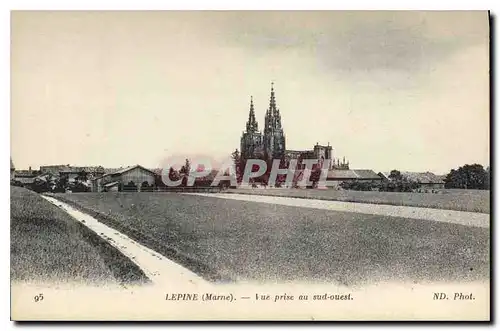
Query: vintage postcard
{"x":250,"y":165}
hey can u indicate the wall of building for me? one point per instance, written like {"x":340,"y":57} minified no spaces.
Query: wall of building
{"x":113,"y":188}
{"x":138,"y":176}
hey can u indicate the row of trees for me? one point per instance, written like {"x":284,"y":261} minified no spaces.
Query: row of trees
{"x":469,"y":176}
{"x":397,"y":183}
{"x":56,"y":184}
{"x":382,"y":186}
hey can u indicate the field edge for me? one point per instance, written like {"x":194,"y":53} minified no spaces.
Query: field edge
{"x":355,"y":200}
{"x":190,"y":263}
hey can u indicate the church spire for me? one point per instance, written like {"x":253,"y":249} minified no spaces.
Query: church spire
{"x":274,"y":137}
{"x":252,"y":125}
{"x":274,"y":110}
{"x":272,"y":122}
{"x":272,"y":101}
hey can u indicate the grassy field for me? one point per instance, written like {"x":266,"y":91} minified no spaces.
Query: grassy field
{"x":229,"y":240}
{"x":462,"y":200}
{"x":48,"y":245}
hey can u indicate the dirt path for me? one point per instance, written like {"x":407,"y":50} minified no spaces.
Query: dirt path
{"x":160,"y":270}
{"x":430,"y":214}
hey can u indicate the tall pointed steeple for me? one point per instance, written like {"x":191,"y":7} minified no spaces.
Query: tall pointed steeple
{"x":274,"y":109}
{"x":251,"y":139}
{"x":272,"y":114}
{"x":274,"y":137}
{"x":252,"y":125}
{"x":272,"y":101}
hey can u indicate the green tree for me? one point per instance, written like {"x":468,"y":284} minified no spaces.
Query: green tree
{"x":82,"y":176}
{"x":184,"y":172}
{"x":62,"y":183}
{"x":469,"y":176}
{"x":172,"y":174}
{"x":396,"y":175}
{"x":238,"y":165}
{"x":315,"y":176}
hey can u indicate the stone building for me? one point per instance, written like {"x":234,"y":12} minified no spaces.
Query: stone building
{"x":271,"y":143}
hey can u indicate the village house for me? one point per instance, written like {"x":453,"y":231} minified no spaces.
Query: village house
{"x":25,"y":177}
{"x":427,"y":180}
{"x":114,"y":181}
{"x":72,"y":172}
{"x":336,"y":177}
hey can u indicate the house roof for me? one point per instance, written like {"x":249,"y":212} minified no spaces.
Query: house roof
{"x":353,"y":174}
{"x":70,"y":169}
{"x":121,"y":171}
{"x":347,"y":174}
{"x":127,"y":169}
{"x":366,"y":174}
{"x":419,"y":177}
{"x":384,"y":175}
{"x":25,"y":180}
{"x":111,"y":170}
{"x":422,"y":177}
{"x":108,"y":185}
{"x":45,"y":177}
{"x":157,"y":171}
{"x":24,"y":173}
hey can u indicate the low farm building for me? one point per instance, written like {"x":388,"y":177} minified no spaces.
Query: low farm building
{"x":115,"y":181}
{"x":336,"y":177}
{"x":72,"y":172}
{"x":24,"y":177}
{"x":425,"y":179}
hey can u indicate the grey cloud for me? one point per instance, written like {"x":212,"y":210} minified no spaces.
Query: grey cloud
{"x":385,"y":47}
{"x":359,"y":41}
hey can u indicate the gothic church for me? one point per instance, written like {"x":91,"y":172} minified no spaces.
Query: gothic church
{"x":270,"y":145}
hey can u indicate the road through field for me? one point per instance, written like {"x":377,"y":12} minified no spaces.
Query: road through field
{"x":227,"y":240}
{"x":160,"y":270}
{"x":477,"y":201}
{"x":430,"y":214}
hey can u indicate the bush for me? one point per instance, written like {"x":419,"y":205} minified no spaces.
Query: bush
{"x":145,"y":187}
{"x":129,"y":187}
{"x":40,"y":186}
{"x":79,"y":187}
{"x":388,"y":186}
{"x":356,"y":185}
{"x":17,"y":183}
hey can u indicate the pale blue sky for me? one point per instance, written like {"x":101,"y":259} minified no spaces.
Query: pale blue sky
{"x":405,"y":90}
